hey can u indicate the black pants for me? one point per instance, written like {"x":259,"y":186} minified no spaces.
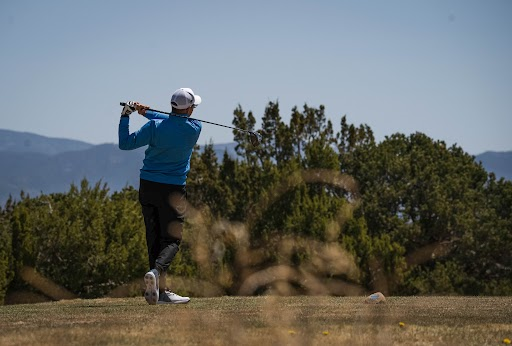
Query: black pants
{"x":163,"y":208}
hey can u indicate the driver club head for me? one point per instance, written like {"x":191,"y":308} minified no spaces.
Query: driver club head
{"x":255,"y":138}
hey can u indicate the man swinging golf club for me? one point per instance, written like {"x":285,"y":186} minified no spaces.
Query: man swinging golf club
{"x":162,"y":192}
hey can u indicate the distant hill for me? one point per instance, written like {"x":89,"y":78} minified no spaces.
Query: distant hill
{"x":38,"y":164}
{"x":219,"y":150}
{"x":24,"y":142}
{"x":498,"y":162}
{"x":35,"y":173}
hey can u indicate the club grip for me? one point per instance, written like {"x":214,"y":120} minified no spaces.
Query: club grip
{"x":122,"y":103}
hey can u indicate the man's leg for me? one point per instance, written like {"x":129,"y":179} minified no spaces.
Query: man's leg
{"x":171,"y":216}
{"x":152,"y":223}
{"x":148,"y":198}
{"x":171,"y":229}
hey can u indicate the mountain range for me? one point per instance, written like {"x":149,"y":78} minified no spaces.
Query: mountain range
{"x":38,"y":164}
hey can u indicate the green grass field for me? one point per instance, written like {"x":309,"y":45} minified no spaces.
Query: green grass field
{"x":261,"y":321}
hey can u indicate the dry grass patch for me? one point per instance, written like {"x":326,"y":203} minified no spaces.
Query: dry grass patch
{"x":265,"y":320}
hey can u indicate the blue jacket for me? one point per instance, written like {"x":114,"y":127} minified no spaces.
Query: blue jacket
{"x":170,"y":141}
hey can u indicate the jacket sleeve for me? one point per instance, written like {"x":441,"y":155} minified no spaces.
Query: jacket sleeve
{"x":155,"y":115}
{"x":140,"y":138}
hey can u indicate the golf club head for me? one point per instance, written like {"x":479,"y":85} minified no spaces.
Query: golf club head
{"x":255,"y":138}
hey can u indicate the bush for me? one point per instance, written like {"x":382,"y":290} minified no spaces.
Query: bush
{"x":84,"y":240}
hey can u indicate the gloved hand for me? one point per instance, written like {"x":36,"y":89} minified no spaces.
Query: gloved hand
{"x":128,"y":108}
{"x":139,"y":107}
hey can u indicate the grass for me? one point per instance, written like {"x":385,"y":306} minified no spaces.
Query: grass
{"x":267,"y":320}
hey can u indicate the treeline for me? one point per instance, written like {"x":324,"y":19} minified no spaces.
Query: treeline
{"x":309,"y":211}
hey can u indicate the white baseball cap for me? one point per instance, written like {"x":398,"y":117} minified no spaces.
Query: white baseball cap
{"x":184,"y":98}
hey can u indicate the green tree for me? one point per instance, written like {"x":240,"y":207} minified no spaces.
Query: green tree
{"x":85,"y":240}
{"x":351,"y":139}
{"x":422,"y":194}
{"x":97,"y":240}
{"x":485,"y":251}
{"x":243,"y":145}
{"x":206,"y":187}
{"x":6,"y":257}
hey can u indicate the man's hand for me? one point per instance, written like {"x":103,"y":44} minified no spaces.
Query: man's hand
{"x":128,"y":108}
{"x":141,"y":108}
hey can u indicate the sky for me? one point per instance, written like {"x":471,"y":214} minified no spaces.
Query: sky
{"x":440,"y":67}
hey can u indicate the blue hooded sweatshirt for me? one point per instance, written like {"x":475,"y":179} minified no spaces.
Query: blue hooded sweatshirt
{"x":170,"y":140}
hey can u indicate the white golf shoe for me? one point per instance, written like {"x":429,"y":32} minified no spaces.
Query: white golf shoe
{"x":168,"y":297}
{"x":151,"y":281}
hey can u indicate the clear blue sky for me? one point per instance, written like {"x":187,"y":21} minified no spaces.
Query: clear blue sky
{"x":441,"y":67}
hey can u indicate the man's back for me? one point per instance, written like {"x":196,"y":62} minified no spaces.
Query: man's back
{"x":170,"y":140}
{"x":167,"y":158}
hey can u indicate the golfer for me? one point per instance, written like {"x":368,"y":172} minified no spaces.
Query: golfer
{"x":163,"y":176}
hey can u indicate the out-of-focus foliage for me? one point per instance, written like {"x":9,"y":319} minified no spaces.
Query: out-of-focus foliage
{"x":309,"y":211}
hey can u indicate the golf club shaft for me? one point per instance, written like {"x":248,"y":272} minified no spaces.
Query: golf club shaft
{"x":185,"y":117}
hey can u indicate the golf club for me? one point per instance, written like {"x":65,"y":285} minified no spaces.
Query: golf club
{"x":254,"y":137}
